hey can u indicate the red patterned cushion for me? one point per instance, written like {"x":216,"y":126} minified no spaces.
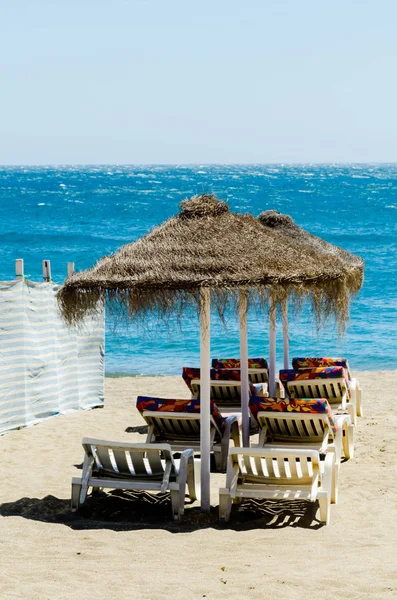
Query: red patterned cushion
{"x":309,"y":373}
{"x":191,"y":373}
{"x":170,"y":405}
{"x":293,"y":405}
{"x":310,"y":362}
{"x":234,"y":363}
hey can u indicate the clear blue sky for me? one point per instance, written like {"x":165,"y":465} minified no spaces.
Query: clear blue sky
{"x":197,"y":81}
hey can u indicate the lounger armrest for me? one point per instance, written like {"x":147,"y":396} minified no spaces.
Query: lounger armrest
{"x":186,"y":454}
{"x":230,"y":420}
{"x":260,"y":389}
{"x":232,"y":430}
{"x":327,"y":473}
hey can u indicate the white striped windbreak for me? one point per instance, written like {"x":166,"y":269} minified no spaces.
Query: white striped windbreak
{"x":46,"y":368}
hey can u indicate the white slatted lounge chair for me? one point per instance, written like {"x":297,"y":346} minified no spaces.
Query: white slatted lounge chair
{"x":308,"y":430}
{"x":225,"y":391}
{"x":127,"y":466}
{"x":226,"y":394}
{"x":258,"y":370}
{"x":278,"y":474}
{"x":315,"y":362}
{"x":182,"y":430}
{"x":334,"y":389}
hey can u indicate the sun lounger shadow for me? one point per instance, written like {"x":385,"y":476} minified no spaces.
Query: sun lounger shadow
{"x":117,"y":510}
{"x":143,"y":429}
{"x":269,"y":514}
{"x":131,"y":511}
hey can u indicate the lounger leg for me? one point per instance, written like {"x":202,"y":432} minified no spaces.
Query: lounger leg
{"x":191,"y":480}
{"x":325,"y":507}
{"x":351,"y":409}
{"x":76,"y":489}
{"x":176,"y":502}
{"x":225,"y":505}
{"x":235,"y":434}
{"x":220,"y":459}
{"x":348,"y":441}
{"x":334,"y":484}
{"x":359,"y":404}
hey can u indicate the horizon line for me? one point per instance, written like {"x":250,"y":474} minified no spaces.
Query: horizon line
{"x":201,"y":164}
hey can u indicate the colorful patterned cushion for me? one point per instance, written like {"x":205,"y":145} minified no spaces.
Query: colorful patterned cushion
{"x":293,"y":405}
{"x":169,"y":405}
{"x":317,"y":373}
{"x":302,"y":363}
{"x":190,"y":373}
{"x":234,"y":363}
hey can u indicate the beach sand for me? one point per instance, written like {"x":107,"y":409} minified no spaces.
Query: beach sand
{"x":131,"y":549}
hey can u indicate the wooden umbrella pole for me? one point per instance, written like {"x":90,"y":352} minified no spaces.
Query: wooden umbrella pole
{"x":285,"y":334}
{"x":272,"y":349}
{"x":205,"y":366}
{"x":244,"y":368}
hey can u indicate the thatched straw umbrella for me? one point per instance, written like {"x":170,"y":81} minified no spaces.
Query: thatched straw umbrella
{"x":353,"y":264}
{"x":206,"y":249}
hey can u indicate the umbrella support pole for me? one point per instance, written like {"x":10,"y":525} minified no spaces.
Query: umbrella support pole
{"x":272,"y":349}
{"x":205,"y":366}
{"x":285,"y":334}
{"x":244,"y":368}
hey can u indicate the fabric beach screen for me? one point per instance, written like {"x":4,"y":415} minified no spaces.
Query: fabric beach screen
{"x":46,"y":368}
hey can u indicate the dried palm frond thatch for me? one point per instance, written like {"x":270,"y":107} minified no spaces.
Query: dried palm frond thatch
{"x":285,"y":224}
{"x":206,"y":245}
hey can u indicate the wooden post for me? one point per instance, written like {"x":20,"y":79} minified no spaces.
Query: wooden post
{"x":46,"y":270}
{"x":205,"y":414}
{"x":244,"y":368}
{"x":272,"y":349}
{"x":19,"y":267}
{"x":285,"y":334}
{"x":70,"y":268}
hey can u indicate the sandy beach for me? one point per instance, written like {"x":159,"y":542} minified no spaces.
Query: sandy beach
{"x":130,"y":548}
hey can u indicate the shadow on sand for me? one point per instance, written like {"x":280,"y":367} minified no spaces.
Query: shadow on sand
{"x":128,"y":511}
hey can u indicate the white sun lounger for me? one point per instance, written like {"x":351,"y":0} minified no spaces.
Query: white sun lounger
{"x":310,"y":430}
{"x":334,"y":390}
{"x":182,"y":430}
{"x":226,"y":393}
{"x":128,"y":466}
{"x":314,"y":362}
{"x":278,"y":474}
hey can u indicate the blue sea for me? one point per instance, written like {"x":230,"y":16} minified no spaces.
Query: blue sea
{"x":78,"y":214}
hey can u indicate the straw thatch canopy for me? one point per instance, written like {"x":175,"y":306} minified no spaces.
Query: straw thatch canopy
{"x":285,"y":224}
{"x":206,"y":245}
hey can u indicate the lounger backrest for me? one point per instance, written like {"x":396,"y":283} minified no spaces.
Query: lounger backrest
{"x":294,"y":428}
{"x":191,"y":375}
{"x":178,"y":427}
{"x":115,"y":459}
{"x":313,"y":362}
{"x":177,"y":419}
{"x":222,"y":391}
{"x":293,"y":419}
{"x":329,"y":383}
{"x":225,"y":385}
{"x":292,"y":467}
{"x":257,"y":367}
